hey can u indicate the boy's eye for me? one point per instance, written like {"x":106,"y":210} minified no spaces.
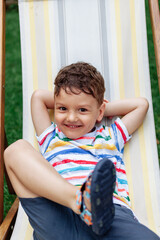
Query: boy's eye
{"x":83,"y":110}
{"x":62,"y":108}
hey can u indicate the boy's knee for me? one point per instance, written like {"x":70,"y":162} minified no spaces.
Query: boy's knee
{"x":11,"y":151}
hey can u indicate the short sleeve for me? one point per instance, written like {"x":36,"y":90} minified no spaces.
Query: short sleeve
{"x":45,"y":138}
{"x":120,"y":133}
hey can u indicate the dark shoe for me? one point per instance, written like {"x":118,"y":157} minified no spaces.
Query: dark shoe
{"x":101,"y":189}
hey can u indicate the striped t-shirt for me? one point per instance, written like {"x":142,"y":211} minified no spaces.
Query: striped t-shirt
{"x":75,"y":159}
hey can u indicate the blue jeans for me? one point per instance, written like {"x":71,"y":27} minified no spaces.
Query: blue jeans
{"x":52,"y":221}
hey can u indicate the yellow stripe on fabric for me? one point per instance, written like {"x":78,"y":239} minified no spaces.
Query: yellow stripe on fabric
{"x":29,"y":232}
{"x":121,"y":87}
{"x":34,"y":53}
{"x":141,"y":129}
{"x":134,"y":48}
{"x":48,"y":45}
{"x":146,"y":179}
{"x":48,"y":51}
{"x":119,"y":48}
{"x":33,"y":45}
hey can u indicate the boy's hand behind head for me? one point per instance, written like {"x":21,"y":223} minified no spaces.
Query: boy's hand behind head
{"x":106,"y":101}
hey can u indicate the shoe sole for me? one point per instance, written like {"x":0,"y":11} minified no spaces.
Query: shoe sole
{"x":102,"y":187}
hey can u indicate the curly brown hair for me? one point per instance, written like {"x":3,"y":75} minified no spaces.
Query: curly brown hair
{"x":83,"y":77}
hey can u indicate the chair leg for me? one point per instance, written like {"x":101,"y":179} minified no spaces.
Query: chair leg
{"x":6,"y":227}
{"x":2,"y":99}
{"x":155,"y":19}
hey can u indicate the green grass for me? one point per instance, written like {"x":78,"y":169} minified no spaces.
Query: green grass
{"x":153,"y":76}
{"x":13,"y":99}
{"x":13,"y":87}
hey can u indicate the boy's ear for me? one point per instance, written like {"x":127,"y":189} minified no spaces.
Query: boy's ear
{"x":101,"y":112}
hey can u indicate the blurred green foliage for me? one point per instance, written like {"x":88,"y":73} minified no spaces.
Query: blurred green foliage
{"x":13,"y":87}
{"x":153,"y":76}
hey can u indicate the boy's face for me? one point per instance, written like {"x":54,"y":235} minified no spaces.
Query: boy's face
{"x":76,"y":114}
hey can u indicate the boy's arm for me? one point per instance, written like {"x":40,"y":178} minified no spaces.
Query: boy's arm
{"x":133,"y":111}
{"x":41,"y":101}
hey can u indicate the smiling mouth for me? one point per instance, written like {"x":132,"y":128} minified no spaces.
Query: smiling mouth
{"x":72,"y":126}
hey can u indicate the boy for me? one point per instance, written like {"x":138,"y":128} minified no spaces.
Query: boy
{"x":79,"y":154}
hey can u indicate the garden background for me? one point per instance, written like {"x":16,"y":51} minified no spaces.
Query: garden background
{"x":13,"y":84}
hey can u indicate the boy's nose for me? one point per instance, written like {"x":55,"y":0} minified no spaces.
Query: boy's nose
{"x":71,"y":117}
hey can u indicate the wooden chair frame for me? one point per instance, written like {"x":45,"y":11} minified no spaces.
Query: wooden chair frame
{"x":8,"y":223}
{"x":2,"y":99}
{"x":155,"y":21}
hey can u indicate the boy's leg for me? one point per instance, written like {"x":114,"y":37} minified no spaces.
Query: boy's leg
{"x":52,"y":221}
{"x":126,"y":227}
{"x":32,"y":176}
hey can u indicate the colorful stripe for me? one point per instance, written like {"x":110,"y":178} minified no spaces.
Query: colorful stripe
{"x":76,"y":177}
{"x":122,"y":132}
{"x":122,"y":199}
{"x":73,"y":161}
{"x":120,"y":170}
{"x":116,"y":136}
{"x":107,"y":138}
{"x":99,"y":146}
{"x":57,"y":145}
{"x":76,"y":169}
{"x":122,"y":181}
{"x":43,"y":139}
{"x":69,"y":151}
{"x":123,"y":190}
{"x":101,"y":130}
{"x":84,"y":138}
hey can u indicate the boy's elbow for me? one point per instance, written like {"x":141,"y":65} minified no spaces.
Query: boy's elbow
{"x":144,"y":103}
{"x":36,"y":94}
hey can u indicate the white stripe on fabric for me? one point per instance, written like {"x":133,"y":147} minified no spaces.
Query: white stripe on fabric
{"x":104,"y":45}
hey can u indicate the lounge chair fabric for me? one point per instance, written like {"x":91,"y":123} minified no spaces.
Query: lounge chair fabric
{"x":111,"y":35}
